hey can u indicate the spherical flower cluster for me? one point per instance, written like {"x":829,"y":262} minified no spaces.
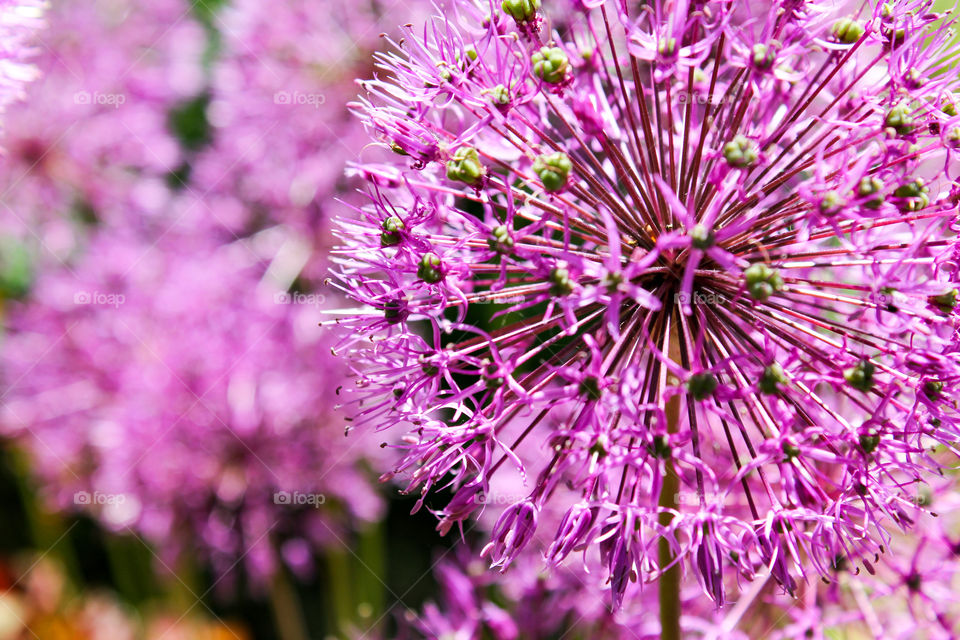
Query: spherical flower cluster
{"x":704,"y":252}
{"x":94,"y":140}
{"x":173,"y":388}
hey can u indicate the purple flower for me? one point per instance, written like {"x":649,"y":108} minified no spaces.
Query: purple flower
{"x":92,"y":141}
{"x":709,"y":275}
{"x":170,"y":387}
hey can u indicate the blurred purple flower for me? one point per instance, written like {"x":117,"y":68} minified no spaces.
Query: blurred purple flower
{"x":93,"y":139}
{"x":177,"y":389}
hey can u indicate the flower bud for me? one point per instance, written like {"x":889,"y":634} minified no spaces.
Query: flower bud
{"x":701,"y":386}
{"x":771,"y":379}
{"x":762,"y":281}
{"x":860,"y":376}
{"x":944,"y":302}
{"x":521,"y":10}
{"x":831,"y":203}
{"x":430,"y":269}
{"x":550,"y":65}
{"x":763,"y":56}
{"x":562,"y":284}
{"x":899,"y":119}
{"x":500,"y":239}
{"x":392,"y":228}
{"x":932,"y":389}
{"x":871,"y":186}
{"x":741,"y":152}
{"x":553,"y":169}
{"x":702,"y":238}
{"x":466,"y":166}
{"x":847,"y":30}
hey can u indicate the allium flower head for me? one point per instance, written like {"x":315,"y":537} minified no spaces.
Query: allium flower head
{"x":704,"y":253}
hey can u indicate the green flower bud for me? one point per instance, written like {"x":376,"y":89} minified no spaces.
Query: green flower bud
{"x":763,"y":56}
{"x":741,"y":152}
{"x":948,"y":105}
{"x":550,"y":65}
{"x":701,"y":386}
{"x":869,"y":441}
{"x":932,"y":389}
{"x":702,"y":238}
{"x":860,"y":377}
{"x":660,"y":447}
{"x":492,"y":378}
{"x":831,"y":203}
{"x":392,"y":227}
{"x":915,"y":194}
{"x":847,"y":30}
{"x":790,"y":450}
{"x":429,"y":269}
{"x":553,"y":169}
{"x":466,"y":166}
{"x":590,"y":387}
{"x":762,"y":281}
{"x":771,"y":379}
{"x":667,"y":47}
{"x":500,"y":96}
{"x":392,"y":311}
{"x":521,"y":10}
{"x":871,"y":186}
{"x":562,"y":284}
{"x":911,"y":189}
{"x":16,"y":269}
{"x":899,"y":119}
{"x":500,"y":239}
{"x":945,"y":302}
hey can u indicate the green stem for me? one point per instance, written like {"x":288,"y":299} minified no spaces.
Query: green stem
{"x":669,"y":583}
{"x":285,"y":605}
